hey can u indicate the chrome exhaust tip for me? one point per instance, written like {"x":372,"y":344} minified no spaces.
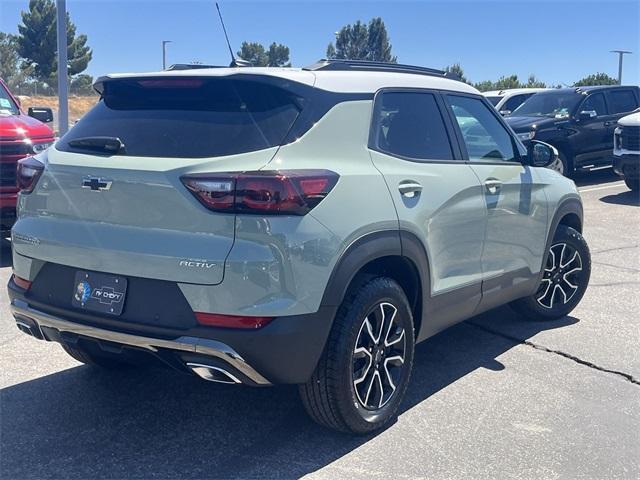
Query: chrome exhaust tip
{"x":213,"y":374}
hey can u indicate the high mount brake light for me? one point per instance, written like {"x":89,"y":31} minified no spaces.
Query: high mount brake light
{"x":171,"y":83}
{"x":284,"y":192}
{"x":28,"y":172}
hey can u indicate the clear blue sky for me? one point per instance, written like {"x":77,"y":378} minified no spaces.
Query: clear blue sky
{"x":560,"y":41}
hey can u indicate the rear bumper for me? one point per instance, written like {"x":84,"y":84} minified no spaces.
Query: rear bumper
{"x":285,"y":351}
{"x":627,"y":166}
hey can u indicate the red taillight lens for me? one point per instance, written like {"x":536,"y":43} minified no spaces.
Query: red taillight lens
{"x":21,"y":282}
{"x":231,"y":321}
{"x":290,"y":192}
{"x":28,"y":172}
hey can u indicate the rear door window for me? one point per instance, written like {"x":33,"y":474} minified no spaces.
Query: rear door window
{"x":622,"y":101}
{"x":595,"y":103}
{"x":410,"y":124}
{"x":189,"y":117}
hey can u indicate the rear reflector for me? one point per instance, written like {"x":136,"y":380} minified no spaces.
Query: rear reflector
{"x":21,"y":282}
{"x":290,"y":192}
{"x":231,"y":321}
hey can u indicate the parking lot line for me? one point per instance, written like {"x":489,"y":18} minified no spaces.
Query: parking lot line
{"x":602,"y":187}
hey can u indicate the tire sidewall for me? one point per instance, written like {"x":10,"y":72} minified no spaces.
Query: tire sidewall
{"x":378,"y":291}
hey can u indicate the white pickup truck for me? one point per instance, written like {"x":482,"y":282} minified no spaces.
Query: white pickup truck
{"x":626,"y":150}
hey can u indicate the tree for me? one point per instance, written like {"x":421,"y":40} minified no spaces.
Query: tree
{"x":37,"y":45}
{"x":276,"y":56}
{"x":533,"y":82}
{"x":484,"y":86}
{"x":362,"y":42}
{"x":505,"y":83}
{"x":82,"y":85}
{"x":9,"y":59}
{"x":457,"y":71}
{"x":596,"y":79}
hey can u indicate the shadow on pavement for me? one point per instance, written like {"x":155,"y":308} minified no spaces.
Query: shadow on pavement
{"x":597,"y":177}
{"x":623,"y":198}
{"x":87,"y":423}
{"x":5,"y":253}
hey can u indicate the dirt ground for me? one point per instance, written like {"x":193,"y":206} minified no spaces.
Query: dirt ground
{"x":78,"y":106}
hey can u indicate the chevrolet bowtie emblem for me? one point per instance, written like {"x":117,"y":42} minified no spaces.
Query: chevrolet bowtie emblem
{"x":96,"y":184}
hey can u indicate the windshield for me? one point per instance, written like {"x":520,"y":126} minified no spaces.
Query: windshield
{"x":494,"y":100}
{"x":549,"y":104}
{"x":187,"y":117}
{"x":7,"y":105}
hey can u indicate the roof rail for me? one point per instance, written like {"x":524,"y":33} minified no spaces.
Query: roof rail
{"x":370,"y":66}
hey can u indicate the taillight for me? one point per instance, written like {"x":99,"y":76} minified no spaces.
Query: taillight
{"x":28,"y":172}
{"x":286,"y":192}
{"x":231,"y":321}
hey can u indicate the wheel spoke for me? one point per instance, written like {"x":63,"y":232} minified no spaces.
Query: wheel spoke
{"x":363,"y":352}
{"x":553,"y":261}
{"x":381,"y":389}
{"x":575,"y":257}
{"x":389,"y":378}
{"x":367,"y":324}
{"x":366,"y":398}
{"x":393,"y":342}
{"x":390,"y":324}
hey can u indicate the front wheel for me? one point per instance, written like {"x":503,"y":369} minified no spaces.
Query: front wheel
{"x":633,"y":183}
{"x":564,"y":280}
{"x":364,"y":371}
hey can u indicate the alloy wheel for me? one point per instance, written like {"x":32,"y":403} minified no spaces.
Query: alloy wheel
{"x":560,"y":281}
{"x":557,"y":165}
{"x":378,"y":357}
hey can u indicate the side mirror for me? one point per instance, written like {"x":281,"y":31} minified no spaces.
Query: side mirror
{"x":587,"y":114}
{"x":44,"y":114}
{"x":505,"y":113}
{"x":540,"y":154}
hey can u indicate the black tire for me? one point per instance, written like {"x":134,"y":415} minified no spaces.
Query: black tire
{"x":102,"y":361}
{"x":566,"y":164}
{"x":331,"y":396}
{"x":562,"y":271}
{"x":633,"y":183}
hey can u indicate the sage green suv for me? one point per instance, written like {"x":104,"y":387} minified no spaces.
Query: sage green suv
{"x":306,"y":226}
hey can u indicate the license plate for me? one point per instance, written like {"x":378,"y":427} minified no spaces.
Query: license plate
{"x":99,"y":292}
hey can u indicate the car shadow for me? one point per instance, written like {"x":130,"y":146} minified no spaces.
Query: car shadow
{"x":596,"y":177}
{"x":5,"y":253}
{"x":623,"y":198}
{"x":87,"y":423}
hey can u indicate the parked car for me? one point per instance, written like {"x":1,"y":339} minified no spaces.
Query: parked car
{"x":20,"y":135}
{"x":626,"y":150}
{"x":290,"y":226}
{"x":506,"y":101}
{"x":579,"y":122}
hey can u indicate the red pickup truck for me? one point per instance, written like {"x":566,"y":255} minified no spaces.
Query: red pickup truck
{"x":20,"y":136}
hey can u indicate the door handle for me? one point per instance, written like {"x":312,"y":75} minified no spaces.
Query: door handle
{"x":492,"y":185}
{"x":409,"y":188}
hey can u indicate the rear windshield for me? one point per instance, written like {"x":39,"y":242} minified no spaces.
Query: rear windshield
{"x":189,"y":117}
{"x":494,"y":100}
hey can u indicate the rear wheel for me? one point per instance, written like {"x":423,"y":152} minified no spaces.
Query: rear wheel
{"x":103,"y":361}
{"x":564,"y":280}
{"x":363,"y":374}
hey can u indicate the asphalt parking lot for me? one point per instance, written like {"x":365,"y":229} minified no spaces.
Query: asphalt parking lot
{"x":494,"y":397}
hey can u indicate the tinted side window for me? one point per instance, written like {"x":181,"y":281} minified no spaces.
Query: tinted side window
{"x":595,"y":103}
{"x":622,"y":101}
{"x":485,"y":137}
{"x":515,"y":101}
{"x":410,"y":124}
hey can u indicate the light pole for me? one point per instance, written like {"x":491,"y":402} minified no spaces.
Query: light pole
{"x":63,"y":89}
{"x":164,"y":53}
{"x":621,"y":54}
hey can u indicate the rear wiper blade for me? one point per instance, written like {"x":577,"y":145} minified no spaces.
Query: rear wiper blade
{"x":111,"y":145}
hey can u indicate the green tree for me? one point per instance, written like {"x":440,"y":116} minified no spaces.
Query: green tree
{"x":596,"y":79}
{"x":484,"y":86}
{"x":9,"y":59}
{"x":456,"y":70}
{"x":505,"y":83}
{"x":82,"y":85}
{"x":276,"y":56}
{"x":533,"y":82}
{"x":362,"y":42}
{"x":37,"y":42}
